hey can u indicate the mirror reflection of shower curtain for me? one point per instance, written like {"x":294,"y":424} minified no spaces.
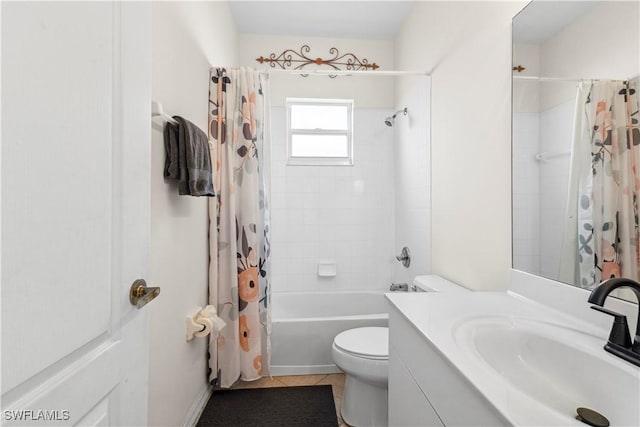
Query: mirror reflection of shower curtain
{"x":607,"y":204}
{"x":239,"y":226}
{"x":580,"y":155}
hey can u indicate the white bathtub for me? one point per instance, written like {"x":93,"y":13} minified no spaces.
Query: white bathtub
{"x":305,"y":323}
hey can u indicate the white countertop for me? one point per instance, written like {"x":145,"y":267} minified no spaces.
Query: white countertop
{"x":437,"y":317}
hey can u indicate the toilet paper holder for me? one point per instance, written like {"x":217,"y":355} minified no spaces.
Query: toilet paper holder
{"x":201,"y":322}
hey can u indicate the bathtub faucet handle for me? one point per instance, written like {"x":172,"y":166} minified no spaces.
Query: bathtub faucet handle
{"x":404,"y":257}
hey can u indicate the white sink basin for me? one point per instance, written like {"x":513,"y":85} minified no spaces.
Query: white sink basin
{"x":560,"y":367}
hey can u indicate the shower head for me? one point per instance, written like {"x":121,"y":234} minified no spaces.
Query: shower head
{"x":389,"y":121}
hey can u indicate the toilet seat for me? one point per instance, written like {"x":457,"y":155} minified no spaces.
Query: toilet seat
{"x":367,"y":343}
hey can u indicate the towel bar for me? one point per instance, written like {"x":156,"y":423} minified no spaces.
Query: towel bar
{"x":156,"y":111}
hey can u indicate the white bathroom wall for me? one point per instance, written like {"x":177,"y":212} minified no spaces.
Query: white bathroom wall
{"x":526,"y":93}
{"x":187,"y":38}
{"x":368,"y":92}
{"x":412,"y":188}
{"x":468,"y":47}
{"x":603,"y":43}
{"x":341,"y":213}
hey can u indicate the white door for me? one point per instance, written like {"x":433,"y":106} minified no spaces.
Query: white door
{"x":75,"y":211}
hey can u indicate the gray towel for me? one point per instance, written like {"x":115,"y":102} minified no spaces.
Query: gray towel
{"x":188,"y":158}
{"x":171,"y":162}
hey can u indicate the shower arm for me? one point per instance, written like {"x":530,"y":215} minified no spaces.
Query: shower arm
{"x":404,"y":110}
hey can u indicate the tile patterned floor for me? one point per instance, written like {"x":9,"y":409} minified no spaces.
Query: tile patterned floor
{"x":335,"y":380}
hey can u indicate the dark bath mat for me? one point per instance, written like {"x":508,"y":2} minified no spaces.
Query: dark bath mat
{"x":304,"y":406}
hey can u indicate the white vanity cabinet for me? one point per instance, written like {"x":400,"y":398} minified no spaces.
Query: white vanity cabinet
{"x":424,"y":389}
{"x":408,"y":406}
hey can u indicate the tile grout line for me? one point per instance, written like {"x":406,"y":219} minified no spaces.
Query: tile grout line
{"x":321,"y":379}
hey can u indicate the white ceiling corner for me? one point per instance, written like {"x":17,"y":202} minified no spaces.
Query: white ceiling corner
{"x":541,"y":19}
{"x":369,"y":20}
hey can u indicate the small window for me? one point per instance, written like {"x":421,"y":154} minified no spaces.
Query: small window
{"x":320,"y":131}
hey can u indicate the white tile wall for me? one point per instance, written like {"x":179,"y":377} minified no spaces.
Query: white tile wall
{"x":556,"y":127}
{"x":540,"y":188}
{"x":413,"y":177}
{"x":526,"y":192}
{"x":345,"y":213}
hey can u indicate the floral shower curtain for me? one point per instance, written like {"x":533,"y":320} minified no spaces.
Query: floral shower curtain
{"x":608,"y":205}
{"x":238,"y":227}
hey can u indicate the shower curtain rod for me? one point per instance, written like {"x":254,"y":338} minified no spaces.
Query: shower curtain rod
{"x":561,"y":79}
{"x":347,"y":72}
{"x":545,"y":155}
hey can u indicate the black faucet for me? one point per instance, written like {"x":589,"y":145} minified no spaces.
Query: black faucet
{"x":619,"y":340}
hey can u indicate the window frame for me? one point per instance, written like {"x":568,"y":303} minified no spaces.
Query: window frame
{"x":320,"y":161}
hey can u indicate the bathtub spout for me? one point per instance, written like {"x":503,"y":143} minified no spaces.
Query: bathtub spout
{"x":399,"y":287}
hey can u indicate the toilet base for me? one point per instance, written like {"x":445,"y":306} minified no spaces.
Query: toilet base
{"x":364,"y":404}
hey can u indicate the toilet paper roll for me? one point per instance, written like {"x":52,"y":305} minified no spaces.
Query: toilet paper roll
{"x":208,"y":326}
{"x":218,"y":324}
{"x":209,"y":311}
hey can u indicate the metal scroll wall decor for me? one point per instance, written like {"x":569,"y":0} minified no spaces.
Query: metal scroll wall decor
{"x":290,"y":58}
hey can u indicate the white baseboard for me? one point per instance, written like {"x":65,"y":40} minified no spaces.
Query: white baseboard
{"x":198,"y":406}
{"x":281,"y":370}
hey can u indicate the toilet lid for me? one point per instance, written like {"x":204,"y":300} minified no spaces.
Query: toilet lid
{"x":371,"y":342}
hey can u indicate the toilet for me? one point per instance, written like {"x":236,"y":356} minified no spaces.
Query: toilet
{"x":363,"y":355}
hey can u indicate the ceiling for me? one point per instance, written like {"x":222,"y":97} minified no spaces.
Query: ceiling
{"x":374,"y":20}
{"x":541,"y":20}
{"x":381,"y":20}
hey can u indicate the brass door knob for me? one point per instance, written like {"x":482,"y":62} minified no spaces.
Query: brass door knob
{"x":140,"y":294}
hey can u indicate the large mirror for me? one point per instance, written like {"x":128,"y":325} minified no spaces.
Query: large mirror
{"x":576,"y":140}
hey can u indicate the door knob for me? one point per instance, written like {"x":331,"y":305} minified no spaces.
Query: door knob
{"x":140,"y":294}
